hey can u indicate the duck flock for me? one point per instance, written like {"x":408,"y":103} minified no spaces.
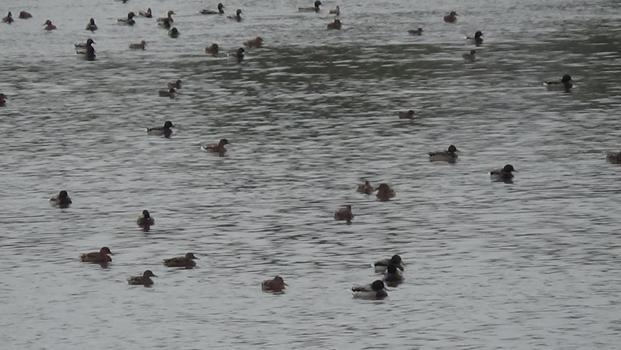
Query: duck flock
{"x":391,"y":268}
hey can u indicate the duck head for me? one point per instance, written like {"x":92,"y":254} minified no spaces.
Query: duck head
{"x":238,"y":12}
{"x":395,"y":260}
{"x":131,"y":15}
{"x":174,"y":32}
{"x":508,"y":168}
{"x":148,"y":273}
{"x":63,"y":195}
{"x":377,"y":286}
{"x":566,"y":78}
{"x":223,"y":142}
{"x":317,"y":4}
{"x":478,"y":34}
{"x":453,"y":13}
{"x":220,"y":7}
{"x":168,"y":124}
{"x":145,"y":214}
{"x":47,"y":23}
{"x":89,"y":42}
{"x":92,"y":22}
{"x":452,"y":149}
{"x":105,"y":251}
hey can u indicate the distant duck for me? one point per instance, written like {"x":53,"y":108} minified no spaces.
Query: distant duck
{"x":254,"y":43}
{"x":565,"y":84}
{"x":216,"y":147}
{"x":212,"y":12}
{"x":171,"y":92}
{"x":240,"y":54}
{"x":146,"y":13}
{"x":344,"y":214}
{"x":336,"y":11}
{"x":407,"y":114}
{"x":145,"y":221}
{"x":365,"y":188}
{"x":275,"y":285}
{"x":449,"y":155}
{"x":381,"y":265}
{"x":336,"y":24}
{"x":375,"y":290}
{"x":100,"y":257}
{"x":144,"y":280}
{"x":504,"y":174}
{"x":315,"y":8}
{"x":9,"y":18}
{"x":393,"y":276}
{"x":612,"y":157}
{"x":62,"y":200}
{"x":166,"y":22}
{"x":91,"y":25}
{"x":418,"y":31}
{"x":451,"y":17}
{"x":477,"y":39}
{"x":469,"y":57}
{"x":237,"y":16}
{"x":2,"y":100}
{"x":86,"y":49}
{"x":212,"y":50}
{"x":384,"y":192}
{"x":173,"y":32}
{"x":24,"y":15}
{"x":186,"y":261}
{"x":49,"y":26}
{"x":174,"y":84}
{"x":129,"y":20}
{"x":162,"y":131}
{"x":138,"y":46}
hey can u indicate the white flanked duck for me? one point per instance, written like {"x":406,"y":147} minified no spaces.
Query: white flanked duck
{"x":373,"y":291}
{"x":165,"y":130}
{"x":86,"y":49}
{"x":237,"y":16}
{"x":336,"y":11}
{"x":504,"y":174}
{"x":450,"y":155}
{"x":171,"y":92}
{"x":477,"y":39}
{"x":220,"y":11}
{"x":129,"y":21}
{"x":315,"y":7}
{"x":166,"y":22}
{"x":146,"y":14}
{"x":565,"y":84}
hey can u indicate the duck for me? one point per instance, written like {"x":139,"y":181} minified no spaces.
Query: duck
{"x":146,"y":14}
{"x":336,"y":11}
{"x":9,"y":18}
{"x":393,"y":276}
{"x":100,"y":257}
{"x":451,"y":17}
{"x":344,"y":214}
{"x":24,"y":15}
{"x":145,"y":221}
{"x":86,"y":49}
{"x":62,"y":200}
{"x":144,"y":280}
{"x":418,"y":31}
{"x":171,"y":92}
{"x":565,"y":84}
{"x":212,"y":50}
{"x":450,"y":155}
{"x":239,"y":54}
{"x":212,"y":12}
{"x":129,"y":20}
{"x":174,"y":84}
{"x":237,"y":16}
{"x":406,"y":115}
{"x":167,"y":21}
{"x":49,"y":26}
{"x":254,"y":43}
{"x":373,"y":291}
{"x":91,"y":25}
{"x":477,"y":39}
{"x":470,"y":57}
{"x":186,"y":261}
{"x":504,"y":174}
{"x":138,"y":46}
{"x":216,"y":147}
{"x":395,"y":260}
{"x":384,"y":192}
{"x":161,"y":130}
{"x":173,"y":32}
{"x":336,"y":24}
{"x":275,"y":285}
{"x":612,"y":157}
{"x":315,"y":7}
{"x":365,"y":188}
{"x":2,"y":100}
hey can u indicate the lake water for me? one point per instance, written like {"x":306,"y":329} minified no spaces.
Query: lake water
{"x":528,"y":265}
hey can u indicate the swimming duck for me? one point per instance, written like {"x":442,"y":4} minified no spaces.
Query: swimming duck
{"x":239,"y":54}
{"x":2,"y":100}
{"x":315,"y":8}
{"x":145,"y":221}
{"x":451,"y":17}
{"x":173,"y":32}
{"x":477,"y":39}
{"x":216,"y":147}
{"x":100,"y":257}
{"x":375,"y":290}
{"x":406,"y":115}
{"x":49,"y":26}
{"x":168,"y":93}
{"x":393,"y":276}
{"x":62,"y":200}
{"x":336,"y":11}
{"x":336,"y":24}
{"x":138,"y":46}
{"x":254,"y":43}
{"x":344,"y":214}
{"x":174,"y":84}
{"x":91,"y":25}
{"x":381,"y":265}
{"x":186,"y":261}
{"x":162,"y":130}
{"x":365,"y":188}
{"x":469,"y":57}
{"x":418,"y":31}
{"x":612,"y":157}
{"x":144,"y":280}
{"x":24,"y":15}
{"x":129,"y":20}
{"x":237,"y":16}
{"x":212,"y":50}
{"x":275,"y":285}
{"x":384,"y":192}
{"x":212,"y":12}
{"x":9,"y":18}
{"x":146,"y":13}
{"x":504,"y":174}
{"x":167,"y":21}
{"x":86,"y":49}
{"x":565,"y":84}
{"x":449,"y":155}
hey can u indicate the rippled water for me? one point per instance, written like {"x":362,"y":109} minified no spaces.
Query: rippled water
{"x":528,"y":265}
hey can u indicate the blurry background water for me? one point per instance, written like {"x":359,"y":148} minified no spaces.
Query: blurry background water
{"x":529,"y":265}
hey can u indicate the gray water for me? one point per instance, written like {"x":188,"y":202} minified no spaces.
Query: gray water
{"x":528,"y":265}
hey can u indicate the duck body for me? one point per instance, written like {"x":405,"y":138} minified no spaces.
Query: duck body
{"x":49,"y":26}
{"x":365,"y":188}
{"x":8,"y":19}
{"x":275,"y":285}
{"x":381,"y":265}
{"x":91,"y":25}
{"x":144,"y":280}
{"x":503,"y":174}
{"x":449,"y":155}
{"x":165,"y":130}
{"x":220,"y":11}
{"x":470,"y":57}
{"x":86,"y":49}
{"x":174,"y":84}
{"x":344,"y":214}
{"x":613,"y":157}
{"x":315,"y":7}
{"x":186,"y":261}
{"x":100,"y":257}
{"x":335,"y":25}
{"x":407,"y":114}
{"x":418,"y":31}
{"x":24,"y":15}
{"x":216,"y":147}
{"x":254,"y":43}
{"x":451,"y":17}
{"x":138,"y":46}
{"x":212,"y":50}
{"x":373,"y":291}
{"x":129,"y":21}
{"x":167,"y":93}
{"x":384,"y":192}
{"x":146,"y":14}
{"x":477,"y":39}
{"x":62,"y":200}
{"x":565,"y":84}
{"x":145,"y":221}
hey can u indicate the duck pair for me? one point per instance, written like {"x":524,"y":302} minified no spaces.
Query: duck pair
{"x":186,"y":262}
{"x":220,"y":11}
{"x":384,"y":192}
{"x":391,"y":268}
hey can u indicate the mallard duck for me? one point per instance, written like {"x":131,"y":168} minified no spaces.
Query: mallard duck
{"x":144,"y":280}
{"x":275,"y":285}
{"x":418,"y":31}
{"x":49,"y":26}
{"x":145,"y":221}
{"x":186,"y":261}
{"x":86,"y":49}
{"x":504,"y":174}
{"x":173,"y":32}
{"x":612,"y":157}
{"x":344,"y":214}
{"x":375,"y":290}
{"x":477,"y":39}
{"x":2,"y":100}
{"x":166,"y":22}
{"x":62,"y":200}
{"x":216,"y":147}
{"x":254,"y":43}
{"x":451,"y":17}
{"x":384,"y":192}
{"x":336,"y":24}
{"x":395,"y":260}
{"x":365,"y":188}
{"x":91,"y":25}
{"x":174,"y":84}
{"x":24,"y":15}
{"x":146,"y":13}
{"x":565,"y":84}
{"x":100,"y":257}
{"x":406,"y":115}
{"x":212,"y":50}
{"x":336,"y":11}
{"x":138,"y":46}
{"x":168,"y":93}
{"x":166,"y":130}
{"x":129,"y":20}
{"x":315,"y":7}
{"x":470,"y":57}
{"x":449,"y":155}
{"x":237,"y":16}
{"x":9,"y":18}
{"x":212,"y":12}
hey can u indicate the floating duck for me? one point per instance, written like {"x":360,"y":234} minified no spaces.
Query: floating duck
{"x":129,"y":20}
{"x":62,"y":200}
{"x":336,"y":11}
{"x":216,"y":147}
{"x":374,"y":291}
{"x":2,"y":100}
{"x":24,"y":15}
{"x":49,"y":26}
{"x":174,"y":84}
{"x":315,"y":8}
{"x":173,"y":32}
{"x":144,"y":280}
{"x":393,"y":276}
{"x":146,"y":13}
{"x":418,"y":31}
{"x":565,"y":84}
{"x":145,"y":221}
{"x":275,"y":285}
{"x":505,"y":174}
{"x":239,"y":54}
{"x":165,"y":130}
{"x":100,"y":257}
{"x":237,"y":16}
{"x":212,"y":50}
{"x":212,"y":12}
{"x":449,"y":155}
{"x":381,"y":265}
{"x":406,"y":115}
{"x":451,"y":17}
{"x":612,"y":157}
{"x":9,"y":18}
{"x":86,"y":49}
{"x":344,"y":214}
{"x":477,"y":39}
{"x":138,"y":46}
{"x":171,"y":92}
{"x":254,"y":43}
{"x":186,"y":261}
{"x":91,"y":25}
{"x":470,"y":57}
{"x":166,"y":22}
{"x":384,"y":192}
{"x":365,"y":188}
{"x":336,"y":24}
